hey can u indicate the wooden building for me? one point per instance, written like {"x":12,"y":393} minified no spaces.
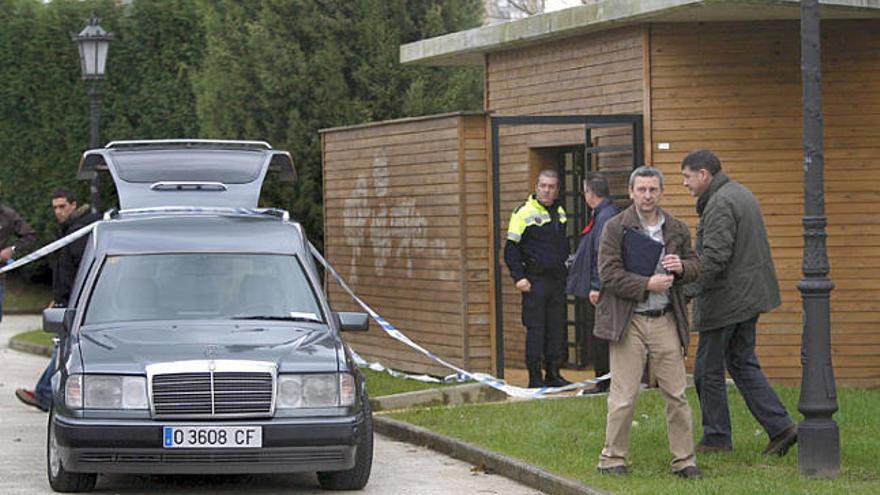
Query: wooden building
{"x":605,"y":87}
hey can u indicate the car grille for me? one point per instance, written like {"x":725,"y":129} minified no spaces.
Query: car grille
{"x":212,"y":394}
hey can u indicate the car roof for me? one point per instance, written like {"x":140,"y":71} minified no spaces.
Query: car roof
{"x":164,"y":233}
{"x":187,"y":172}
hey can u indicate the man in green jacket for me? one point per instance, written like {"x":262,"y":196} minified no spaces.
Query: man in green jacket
{"x":736,"y":283}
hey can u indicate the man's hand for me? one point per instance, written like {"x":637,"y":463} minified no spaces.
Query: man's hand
{"x":523,"y":285}
{"x":594,"y":297}
{"x":660,"y":282}
{"x":6,"y":253}
{"x":672,"y":263}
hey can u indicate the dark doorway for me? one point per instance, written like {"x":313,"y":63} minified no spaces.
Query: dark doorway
{"x":614,"y":155}
{"x":575,"y":164}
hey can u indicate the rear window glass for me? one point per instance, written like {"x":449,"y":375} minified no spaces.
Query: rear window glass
{"x":226,"y":166}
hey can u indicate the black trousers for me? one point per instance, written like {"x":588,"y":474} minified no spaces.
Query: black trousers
{"x":733,"y":348}
{"x":601,"y":360}
{"x":543,"y":315}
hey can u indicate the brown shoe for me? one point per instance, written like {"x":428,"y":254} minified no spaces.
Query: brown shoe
{"x":780,"y":444}
{"x":689,"y":473}
{"x":614,"y":471}
{"x":28,"y":397}
{"x":706,"y":448}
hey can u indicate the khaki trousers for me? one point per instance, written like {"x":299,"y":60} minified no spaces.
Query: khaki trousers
{"x":657,"y":338}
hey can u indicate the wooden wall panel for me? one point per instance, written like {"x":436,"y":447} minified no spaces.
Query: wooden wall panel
{"x":735,"y":88}
{"x":596,"y":74}
{"x":403,"y":203}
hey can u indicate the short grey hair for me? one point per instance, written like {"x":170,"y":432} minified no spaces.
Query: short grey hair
{"x":645,"y":171}
{"x":549,"y":173}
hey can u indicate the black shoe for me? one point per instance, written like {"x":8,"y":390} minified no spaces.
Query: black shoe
{"x":535,"y":380}
{"x":553,"y":378}
{"x":600,"y":388}
{"x":614,"y":471}
{"x":780,"y":444}
{"x":689,"y":473}
{"x":707,"y":448}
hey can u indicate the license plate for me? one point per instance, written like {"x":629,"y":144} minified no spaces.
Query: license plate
{"x":217,"y":437}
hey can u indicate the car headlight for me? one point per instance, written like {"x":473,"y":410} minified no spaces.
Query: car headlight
{"x":318,"y":390}
{"x":106,"y":392}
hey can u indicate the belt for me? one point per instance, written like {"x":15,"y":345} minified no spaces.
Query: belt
{"x":655,"y":313}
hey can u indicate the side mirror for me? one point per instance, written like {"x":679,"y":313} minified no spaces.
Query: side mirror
{"x":58,"y":320}
{"x":353,"y":322}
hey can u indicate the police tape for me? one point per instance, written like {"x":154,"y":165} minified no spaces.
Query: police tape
{"x":110,"y":214}
{"x":49,"y":248}
{"x":483,"y":378}
{"x":389,"y":329}
{"x":379,"y":367}
{"x":70,"y":238}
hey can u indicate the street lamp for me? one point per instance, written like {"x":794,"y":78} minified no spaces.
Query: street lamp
{"x":818,"y":435}
{"x":93,"y":43}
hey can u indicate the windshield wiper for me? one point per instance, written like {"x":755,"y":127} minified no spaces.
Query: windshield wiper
{"x":312,"y":319}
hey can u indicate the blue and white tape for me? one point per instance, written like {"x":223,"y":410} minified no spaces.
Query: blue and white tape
{"x":64,"y":241}
{"x":479,"y":377}
{"x":389,"y":329}
{"x":49,"y":248}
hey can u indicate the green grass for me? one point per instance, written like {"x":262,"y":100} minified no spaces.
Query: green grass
{"x":380,"y":383}
{"x":22,"y":297}
{"x":36,"y":336}
{"x":566,"y":435}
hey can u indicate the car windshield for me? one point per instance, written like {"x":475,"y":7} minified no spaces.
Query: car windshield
{"x":202,"y":286}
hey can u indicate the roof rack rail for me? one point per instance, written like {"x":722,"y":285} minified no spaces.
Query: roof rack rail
{"x":207,"y":143}
{"x":284,"y":215}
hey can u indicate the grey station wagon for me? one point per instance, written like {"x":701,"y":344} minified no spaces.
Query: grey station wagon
{"x":198,"y":337}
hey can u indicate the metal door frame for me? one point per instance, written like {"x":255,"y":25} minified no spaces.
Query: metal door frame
{"x":589,"y":122}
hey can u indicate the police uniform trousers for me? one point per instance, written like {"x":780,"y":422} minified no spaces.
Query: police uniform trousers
{"x":543,"y":315}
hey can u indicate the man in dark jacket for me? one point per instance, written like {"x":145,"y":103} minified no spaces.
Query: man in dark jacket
{"x":70,"y":219}
{"x":535,"y":254}
{"x":737,"y":282}
{"x":646,"y":315}
{"x":583,"y":275}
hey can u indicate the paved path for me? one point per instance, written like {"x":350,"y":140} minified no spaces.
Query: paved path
{"x":398,"y":468}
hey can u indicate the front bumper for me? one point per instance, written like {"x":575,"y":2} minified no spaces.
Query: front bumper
{"x":289,"y":445}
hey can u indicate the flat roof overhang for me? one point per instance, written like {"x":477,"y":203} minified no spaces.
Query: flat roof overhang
{"x":470,"y":47}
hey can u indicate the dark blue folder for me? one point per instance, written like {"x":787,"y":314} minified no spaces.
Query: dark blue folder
{"x":640,"y":253}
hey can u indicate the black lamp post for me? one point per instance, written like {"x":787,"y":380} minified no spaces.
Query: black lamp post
{"x":93,"y":43}
{"x":818,"y":435}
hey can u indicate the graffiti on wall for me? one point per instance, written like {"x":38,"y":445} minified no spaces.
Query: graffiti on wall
{"x":382,"y":227}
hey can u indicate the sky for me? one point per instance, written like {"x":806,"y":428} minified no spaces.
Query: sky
{"x":560,"y":4}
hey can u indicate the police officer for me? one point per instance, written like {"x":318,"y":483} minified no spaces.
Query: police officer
{"x":535,"y":254}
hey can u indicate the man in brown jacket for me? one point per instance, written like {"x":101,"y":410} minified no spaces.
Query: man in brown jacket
{"x":646,"y":315}
{"x":16,"y":235}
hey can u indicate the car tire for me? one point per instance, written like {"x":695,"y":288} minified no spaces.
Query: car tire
{"x":60,"y":479}
{"x":355,"y":478}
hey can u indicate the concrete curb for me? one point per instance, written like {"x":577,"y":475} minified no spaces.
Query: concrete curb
{"x":468,"y":393}
{"x":532,"y":476}
{"x":30,"y":348}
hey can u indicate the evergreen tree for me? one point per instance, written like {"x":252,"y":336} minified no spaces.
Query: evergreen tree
{"x":277,"y":70}
{"x":292,"y":67}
